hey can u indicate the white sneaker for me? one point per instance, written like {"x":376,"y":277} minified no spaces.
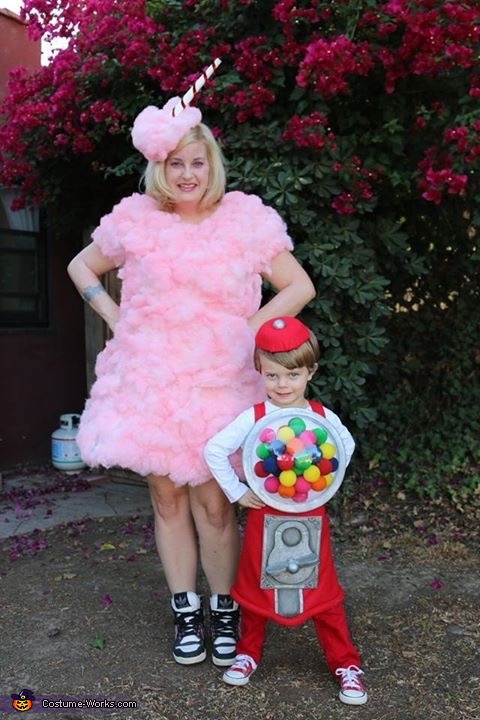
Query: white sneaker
{"x":224,"y":619}
{"x":239,"y":673}
{"x":189,"y":644}
{"x":352,"y":690}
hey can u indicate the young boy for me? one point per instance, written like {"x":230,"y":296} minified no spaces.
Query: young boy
{"x":286,"y":355}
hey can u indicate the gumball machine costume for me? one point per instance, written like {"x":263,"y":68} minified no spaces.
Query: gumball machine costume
{"x":287,"y":569}
{"x":295,"y":453}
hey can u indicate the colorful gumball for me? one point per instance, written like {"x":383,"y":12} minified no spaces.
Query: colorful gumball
{"x":270,"y":465}
{"x":328,"y":450}
{"x":311,"y":474}
{"x":334,"y":462}
{"x":285,"y":433}
{"x":259,"y":470}
{"x":325,"y":466}
{"x":308,"y":437}
{"x":294,"y":446}
{"x":321,"y":435}
{"x":314,"y":453}
{"x":297,"y":425}
{"x":271,"y":484}
{"x":285,"y":461}
{"x":267,"y":435}
{"x":287,"y":478}
{"x":300,"y":497}
{"x":320,"y":484}
{"x":329,"y":479}
{"x":277,"y":447}
{"x":302,"y":486}
{"x":286,"y":491}
{"x":302,"y":460}
{"x":262,"y":451}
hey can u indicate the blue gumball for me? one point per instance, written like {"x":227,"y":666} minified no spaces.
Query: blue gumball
{"x":277,"y":447}
{"x":334,"y":462}
{"x":270,"y":465}
{"x":314,"y":452}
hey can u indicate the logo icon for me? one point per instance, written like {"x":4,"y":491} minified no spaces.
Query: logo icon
{"x":23,"y":701}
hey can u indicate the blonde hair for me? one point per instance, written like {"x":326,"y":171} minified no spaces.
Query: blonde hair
{"x":306,"y":355}
{"x":155,"y":182}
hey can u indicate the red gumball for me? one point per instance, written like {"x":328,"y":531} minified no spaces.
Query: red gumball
{"x":325,"y":466}
{"x":259,"y":470}
{"x":285,"y":461}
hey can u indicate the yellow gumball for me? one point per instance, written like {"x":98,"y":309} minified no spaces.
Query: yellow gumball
{"x":329,"y":479}
{"x":285,"y":433}
{"x":328,"y":451}
{"x":287,"y":478}
{"x":311,"y":474}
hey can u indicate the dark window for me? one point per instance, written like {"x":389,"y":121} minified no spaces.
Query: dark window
{"x":23,"y":279}
{"x":23,"y":265}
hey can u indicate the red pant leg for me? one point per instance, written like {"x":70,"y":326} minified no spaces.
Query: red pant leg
{"x":252,"y":635}
{"x":333,"y":634}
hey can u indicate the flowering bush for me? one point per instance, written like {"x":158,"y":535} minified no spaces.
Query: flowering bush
{"x":359,"y":121}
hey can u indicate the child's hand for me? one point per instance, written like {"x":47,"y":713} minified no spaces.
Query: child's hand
{"x":249,"y":499}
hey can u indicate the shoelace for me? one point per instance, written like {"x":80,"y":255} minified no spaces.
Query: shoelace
{"x":224,"y":624}
{"x":350,"y":677}
{"x":188,"y":624}
{"x":243,"y":662}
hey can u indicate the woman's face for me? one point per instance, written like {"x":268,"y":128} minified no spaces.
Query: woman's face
{"x":186,"y":173}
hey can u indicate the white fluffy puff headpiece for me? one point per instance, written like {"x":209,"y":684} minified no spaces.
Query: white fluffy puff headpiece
{"x":156,"y":132}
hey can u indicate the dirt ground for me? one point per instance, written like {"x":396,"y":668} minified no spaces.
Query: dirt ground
{"x":85,"y":614}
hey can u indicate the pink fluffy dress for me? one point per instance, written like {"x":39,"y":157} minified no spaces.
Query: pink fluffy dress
{"x":180,"y":366}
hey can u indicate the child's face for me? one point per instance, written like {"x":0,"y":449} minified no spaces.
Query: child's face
{"x":285,"y":388}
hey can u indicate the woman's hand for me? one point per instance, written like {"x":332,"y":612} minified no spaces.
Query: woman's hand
{"x":249,"y":499}
{"x":294,"y":290}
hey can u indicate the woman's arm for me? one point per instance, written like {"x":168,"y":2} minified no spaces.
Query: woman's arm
{"x":85,"y":270}
{"x":294,"y":290}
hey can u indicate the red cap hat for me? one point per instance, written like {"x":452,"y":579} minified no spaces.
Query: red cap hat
{"x":281,"y":335}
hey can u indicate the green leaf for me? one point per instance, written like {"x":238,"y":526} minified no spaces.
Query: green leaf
{"x":98,"y":642}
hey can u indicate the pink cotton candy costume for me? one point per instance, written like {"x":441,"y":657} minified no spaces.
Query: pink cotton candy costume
{"x":179,"y":367}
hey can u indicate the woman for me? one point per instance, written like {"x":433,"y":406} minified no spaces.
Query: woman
{"x":179,"y":366}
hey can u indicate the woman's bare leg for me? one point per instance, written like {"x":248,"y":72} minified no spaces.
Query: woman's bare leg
{"x":218,"y":535}
{"x":175,"y":535}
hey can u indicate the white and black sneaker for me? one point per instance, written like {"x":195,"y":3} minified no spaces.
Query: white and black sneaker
{"x":189,"y":645}
{"x":224,"y":619}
